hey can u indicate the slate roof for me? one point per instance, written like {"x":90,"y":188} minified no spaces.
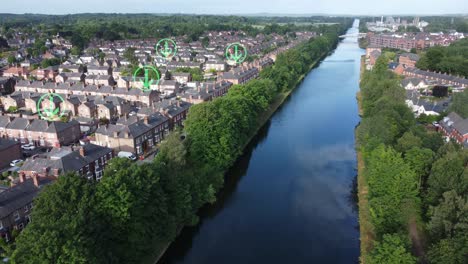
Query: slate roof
{"x":7,"y":143}
{"x":454,"y":121}
{"x":133,"y":126}
{"x":17,"y":197}
{"x":436,"y":75}
{"x":65,"y":159}
{"x":414,"y":81}
{"x":411,"y":56}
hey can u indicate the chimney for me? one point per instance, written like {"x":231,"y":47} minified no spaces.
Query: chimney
{"x":35,"y":180}
{"x":82,"y":152}
{"x":22,"y":177}
{"x":145,"y":120}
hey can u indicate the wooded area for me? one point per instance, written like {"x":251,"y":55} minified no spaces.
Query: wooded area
{"x":416,"y":181}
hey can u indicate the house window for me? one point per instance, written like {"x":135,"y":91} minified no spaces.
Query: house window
{"x":98,"y":175}
{"x":16,"y":215}
{"x":26,"y":209}
{"x":1,"y":224}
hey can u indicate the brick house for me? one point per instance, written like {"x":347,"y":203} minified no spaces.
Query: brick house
{"x":408,"y":59}
{"x":16,"y":204}
{"x":134,"y":134}
{"x":39,"y":132}
{"x":16,"y":72}
{"x":88,"y":161}
{"x":434,"y":76}
{"x":239,"y":75}
{"x":455,"y":127}
{"x":87,"y":109}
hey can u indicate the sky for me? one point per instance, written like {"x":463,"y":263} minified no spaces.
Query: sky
{"x":226,"y":7}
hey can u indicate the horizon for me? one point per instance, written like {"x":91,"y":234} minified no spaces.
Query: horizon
{"x":241,"y":7}
{"x":267,"y":14}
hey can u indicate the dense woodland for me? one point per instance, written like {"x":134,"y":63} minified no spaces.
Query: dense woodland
{"x":135,"y":210}
{"x":80,"y":29}
{"x":452,"y":59}
{"x":416,"y":183}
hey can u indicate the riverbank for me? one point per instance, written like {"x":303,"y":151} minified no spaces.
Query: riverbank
{"x":366,"y":229}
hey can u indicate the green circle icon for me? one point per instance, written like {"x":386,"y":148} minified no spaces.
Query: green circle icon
{"x":166,"y":48}
{"x":51,"y":112}
{"x":147,"y":81}
{"x":236,"y":52}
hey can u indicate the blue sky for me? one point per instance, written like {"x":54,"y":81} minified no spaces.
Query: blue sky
{"x":367,"y":7}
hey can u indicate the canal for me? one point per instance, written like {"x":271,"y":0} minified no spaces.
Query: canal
{"x":289,"y":198}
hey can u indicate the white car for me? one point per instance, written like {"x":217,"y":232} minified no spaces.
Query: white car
{"x":15,"y":162}
{"x":28,"y":147}
{"x":128,"y":155}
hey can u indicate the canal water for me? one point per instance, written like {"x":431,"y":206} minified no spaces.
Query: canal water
{"x":289,"y":198}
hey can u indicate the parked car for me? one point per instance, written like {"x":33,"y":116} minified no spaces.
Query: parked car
{"x":28,"y":147}
{"x":15,"y":162}
{"x":126,"y":154}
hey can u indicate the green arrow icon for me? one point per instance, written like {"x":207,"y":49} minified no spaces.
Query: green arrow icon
{"x":236,"y":52}
{"x":166,"y":51}
{"x":50,"y":111}
{"x":236,"y":56}
{"x":147,"y":83}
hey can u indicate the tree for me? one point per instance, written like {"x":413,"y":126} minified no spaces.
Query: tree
{"x":75,"y":51}
{"x":450,"y":250}
{"x":197,"y":74}
{"x":50,"y":62}
{"x":12,"y":109}
{"x":61,"y":231}
{"x":408,"y":141}
{"x":11,"y":59}
{"x":392,"y":250}
{"x":132,"y":203}
{"x":420,"y":160}
{"x":392,"y":186}
{"x":448,"y":173}
{"x":205,"y":41}
{"x":460,"y":103}
{"x":449,"y":217}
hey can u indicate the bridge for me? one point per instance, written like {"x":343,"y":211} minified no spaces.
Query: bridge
{"x":355,"y":35}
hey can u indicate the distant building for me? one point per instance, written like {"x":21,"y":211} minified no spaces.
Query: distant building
{"x":408,"y":59}
{"x":437,"y":77}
